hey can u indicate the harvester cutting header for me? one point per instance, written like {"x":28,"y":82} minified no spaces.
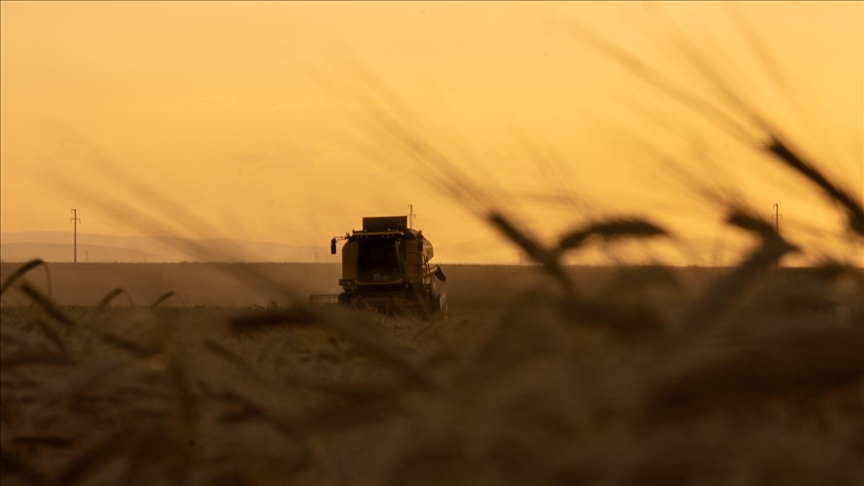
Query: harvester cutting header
{"x":385,"y":266}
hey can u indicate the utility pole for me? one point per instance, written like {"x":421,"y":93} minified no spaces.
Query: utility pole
{"x":86,"y":256}
{"x":777,"y":217}
{"x":411,"y":216}
{"x":75,"y":220}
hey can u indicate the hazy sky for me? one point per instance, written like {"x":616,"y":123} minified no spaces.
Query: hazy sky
{"x":235,"y":112}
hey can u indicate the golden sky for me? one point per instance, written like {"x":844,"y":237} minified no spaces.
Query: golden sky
{"x":235,"y":112}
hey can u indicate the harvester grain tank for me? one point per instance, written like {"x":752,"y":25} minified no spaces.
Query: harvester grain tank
{"x":385,"y":266}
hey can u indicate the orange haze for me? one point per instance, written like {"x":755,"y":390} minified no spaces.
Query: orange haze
{"x":217,"y":106}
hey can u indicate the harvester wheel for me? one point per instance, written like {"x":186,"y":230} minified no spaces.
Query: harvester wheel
{"x":441,"y":304}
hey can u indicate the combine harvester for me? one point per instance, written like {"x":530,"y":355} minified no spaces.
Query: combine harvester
{"x":385,"y":267}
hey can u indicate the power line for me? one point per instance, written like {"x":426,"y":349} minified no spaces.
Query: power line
{"x":777,"y":217}
{"x":75,"y":220}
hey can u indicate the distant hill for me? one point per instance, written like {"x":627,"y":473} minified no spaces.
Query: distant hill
{"x":53,"y":252}
{"x":57,"y":246}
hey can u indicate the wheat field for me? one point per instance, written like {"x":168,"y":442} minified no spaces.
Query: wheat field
{"x":518,"y":386}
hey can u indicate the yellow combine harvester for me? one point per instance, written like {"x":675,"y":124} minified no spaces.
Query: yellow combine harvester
{"x":385,"y":266}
